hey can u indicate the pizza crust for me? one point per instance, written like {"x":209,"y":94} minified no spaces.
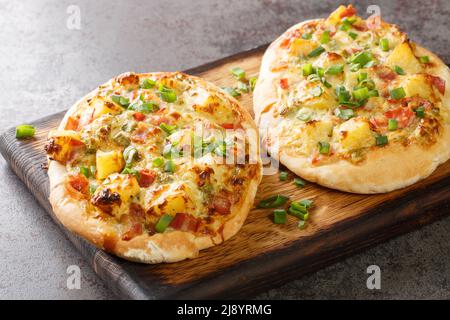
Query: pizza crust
{"x":167,"y":247}
{"x":387,"y":168}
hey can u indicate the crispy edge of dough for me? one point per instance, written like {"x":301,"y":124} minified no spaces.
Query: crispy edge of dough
{"x":165,"y":247}
{"x":386,"y":169}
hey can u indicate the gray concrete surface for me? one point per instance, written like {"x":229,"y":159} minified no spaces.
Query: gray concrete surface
{"x":45,"y":67}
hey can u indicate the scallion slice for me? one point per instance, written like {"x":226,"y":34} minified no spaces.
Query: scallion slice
{"x":279,"y":216}
{"x":397,"y":93}
{"x":169,"y":166}
{"x":238,"y":73}
{"x":25,"y":131}
{"x":399,"y":71}
{"x":344,"y":114}
{"x":362,"y":58}
{"x":392,"y":124}
{"x":158,"y":162}
{"x":353,"y":35}
{"x":381,"y":140}
{"x":167,"y":128}
{"x":316,"y":91}
{"x":148,"y":84}
{"x":232,"y":91}
{"x":335,"y":69}
{"x":167,"y":94}
{"x":299,"y":182}
{"x":283,"y":176}
{"x":316,"y":52}
{"x":325,"y":37}
{"x":384,"y":44}
{"x":361,"y":94}
{"x":324,"y":147}
{"x":307,"y":69}
{"x":301,"y":224}
{"x":424,"y":59}
{"x":420,"y":112}
{"x":299,"y":214}
{"x":84,"y":171}
{"x":252,"y":83}
{"x":163,"y":223}
{"x":273,"y":201}
{"x":307,"y":36}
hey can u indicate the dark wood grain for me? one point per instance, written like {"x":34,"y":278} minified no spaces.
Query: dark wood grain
{"x":262,"y":254}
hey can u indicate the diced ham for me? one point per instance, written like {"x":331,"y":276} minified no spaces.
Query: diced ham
{"x":184,"y":222}
{"x":147,"y":178}
{"x":439,"y":83}
{"x":404,"y":116}
{"x":284,"y":83}
{"x":78,"y":183}
{"x":222,"y":203}
{"x":348,"y":12}
{"x":139,"y":116}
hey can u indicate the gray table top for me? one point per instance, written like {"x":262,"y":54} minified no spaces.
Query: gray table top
{"x":45,"y":67}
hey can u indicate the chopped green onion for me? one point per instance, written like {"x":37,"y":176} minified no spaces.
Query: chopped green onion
{"x":320,"y":71}
{"x":420,"y":112}
{"x":299,"y":182}
{"x":242,"y":87}
{"x":163,"y":223}
{"x":123,"y":101}
{"x":361,"y":58}
{"x":167,"y":94}
{"x":307,"y":69}
{"x":353,"y":35}
{"x":392,"y":124}
{"x":167,"y":128}
{"x":325,"y":37}
{"x":362,"y":77}
{"x":344,"y":114}
{"x":345,"y":27}
{"x":232,"y":91}
{"x":252,"y":82}
{"x":335,"y":69}
{"x":316,"y":52}
{"x":316,"y":91}
{"x":381,"y":140}
{"x":273,"y":202}
{"x":297,"y":206}
{"x":158,"y":162}
{"x":342,"y":94}
{"x":92,"y":188}
{"x":373,"y":93}
{"x":399,"y":70}
{"x":148,"y":84}
{"x":299,"y":214}
{"x":301,"y":224}
{"x":361,"y":94}
{"x":324,"y":147}
{"x":398,"y":93}
{"x":384,"y":44}
{"x":306,"y":203}
{"x":283,"y":176}
{"x":130,"y":154}
{"x":238,"y":73}
{"x":84,"y":171}
{"x":133,"y":172}
{"x":25,"y":131}
{"x":169,"y":166}
{"x":92,"y":170}
{"x":279,"y":216}
{"x":307,"y":36}
{"x":424,"y":59}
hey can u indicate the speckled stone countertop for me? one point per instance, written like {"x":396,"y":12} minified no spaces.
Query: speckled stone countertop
{"x":45,"y":67}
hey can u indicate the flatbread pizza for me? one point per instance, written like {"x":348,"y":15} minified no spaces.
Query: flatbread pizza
{"x":154,"y":167}
{"x":353,"y":104}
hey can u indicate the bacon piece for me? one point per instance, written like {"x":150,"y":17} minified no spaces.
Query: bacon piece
{"x":185,"y":222}
{"x":438,"y":82}
{"x":227,"y":125}
{"x":139,"y":116}
{"x":135,"y":230}
{"x":78,"y":182}
{"x":72,"y":124}
{"x":348,"y":12}
{"x":147,"y":178}
{"x":404,"y":116}
{"x":222,"y":203}
{"x":284,"y":83}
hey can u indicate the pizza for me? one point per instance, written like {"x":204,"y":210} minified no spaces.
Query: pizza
{"x":154,"y":167}
{"x":353,"y":104}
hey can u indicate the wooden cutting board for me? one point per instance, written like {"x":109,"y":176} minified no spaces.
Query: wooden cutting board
{"x":262,"y":254}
